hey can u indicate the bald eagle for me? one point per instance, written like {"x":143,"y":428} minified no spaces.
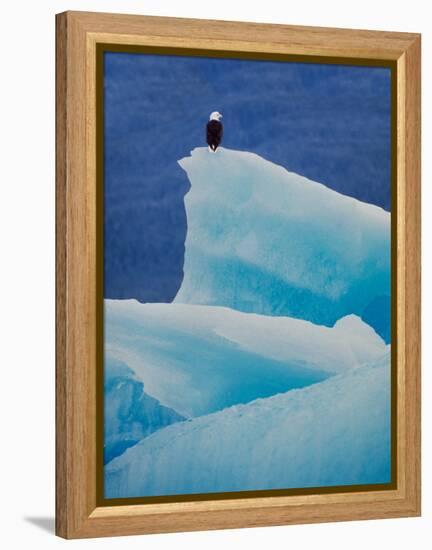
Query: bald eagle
{"x":214,"y":131}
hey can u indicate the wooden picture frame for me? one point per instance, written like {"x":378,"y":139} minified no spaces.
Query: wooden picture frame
{"x":78,"y":227}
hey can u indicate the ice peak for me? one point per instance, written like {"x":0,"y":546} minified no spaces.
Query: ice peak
{"x":265,"y":240}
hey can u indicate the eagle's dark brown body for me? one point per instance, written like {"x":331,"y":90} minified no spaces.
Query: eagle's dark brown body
{"x":214,"y":134}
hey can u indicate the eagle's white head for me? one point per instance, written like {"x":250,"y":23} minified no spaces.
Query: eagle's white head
{"x":215,"y":115}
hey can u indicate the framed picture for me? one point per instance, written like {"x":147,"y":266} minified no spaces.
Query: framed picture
{"x":238,"y":274}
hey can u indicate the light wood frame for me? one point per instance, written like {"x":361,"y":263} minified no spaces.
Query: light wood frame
{"x":77,"y":512}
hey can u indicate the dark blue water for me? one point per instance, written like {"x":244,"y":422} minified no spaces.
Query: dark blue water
{"x":329,"y":123}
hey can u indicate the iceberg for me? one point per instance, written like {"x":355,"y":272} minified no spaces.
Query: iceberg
{"x":130,"y":414}
{"x":199,"y":359}
{"x":333,"y":433}
{"x":271,"y":368}
{"x":261,"y":239}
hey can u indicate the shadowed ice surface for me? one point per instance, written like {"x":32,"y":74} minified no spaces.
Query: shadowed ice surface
{"x":333,"y":433}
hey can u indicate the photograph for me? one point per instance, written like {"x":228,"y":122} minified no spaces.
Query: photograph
{"x":248,"y":290}
{"x":216,"y":275}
